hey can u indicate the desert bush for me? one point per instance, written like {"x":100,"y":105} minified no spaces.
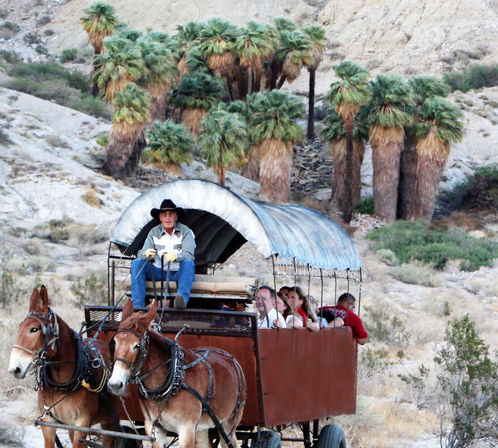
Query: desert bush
{"x":41,"y":49}
{"x":5,"y":139}
{"x":11,"y":290}
{"x":3,"y":13}
{"x":387,"y":256}
{"x":91,"y":198}
{"x":472,"y":77}
{"x":43,"y":20}
{"x":59,"y":230}
{"x":102,"y":140}
{"x":478,"y":191}
{"x":92,"y":235}
{"x":416,"y":241}
{"x":56,"y":141}
{"x":91,"y":289}
{"x":92,"y":106}
{"x":68,"y":54}
{"x":415,"y":274}
{"x":467,"y":386}
{"x":373,"y":362}
{"x":365,"y":207}
{"x":31,"y":38}
{"x":8,"y":30}
{"x":382,"y":326}
{"x":417,"y":383}
{"x":10,"y":57}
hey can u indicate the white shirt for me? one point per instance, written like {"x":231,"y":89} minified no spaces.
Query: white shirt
{"x":272,"y":315}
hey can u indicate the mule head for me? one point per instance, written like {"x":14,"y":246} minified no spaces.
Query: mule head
{"x":130,"y":346}
{"x":32,"y":334}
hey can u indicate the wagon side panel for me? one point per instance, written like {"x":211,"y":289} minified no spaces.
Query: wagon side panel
{"x":307,"y":375}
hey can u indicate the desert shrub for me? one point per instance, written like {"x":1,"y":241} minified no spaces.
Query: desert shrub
{"x":5,"y":139}
{"x":92,"y":289}
{"x":102,"y":140}
{"x":416,"y":241}
{"x":373,"y":362}
{"x":472,"y":77}
{"x":467,"y":386}
{"x":11,"y":291}
{"x":68,"y":54}
{"x":478,"y":191}
{"x":59,"y":230}
{"x":417,"y":386}
{"x":31,"y":38}
{"x":415,"y":274}
{"x":43,"y":20}
{"x":366,"y":206}
{"x":91,"y":198}
{"x":51,"y":81}
{"x":8,"y":30}
{"x":10,"y":57}
{"x":41,"y":49}
{"x":382,"y":326}
{"x":56,"y":141}
{"x":387,"y":256}
{"x":93,"y":106}
{"x":3,"y":13}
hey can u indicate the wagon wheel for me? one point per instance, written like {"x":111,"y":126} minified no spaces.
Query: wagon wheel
{"x":267,"y":439}
{"x":331,"y":436}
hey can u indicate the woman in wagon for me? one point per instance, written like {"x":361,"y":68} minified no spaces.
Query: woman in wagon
{"x":284,"y":308}
{"x":175,"y":243}
{"x":302,"y":307}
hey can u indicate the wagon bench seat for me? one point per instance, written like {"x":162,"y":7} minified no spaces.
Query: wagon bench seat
{"x":214,"y":285}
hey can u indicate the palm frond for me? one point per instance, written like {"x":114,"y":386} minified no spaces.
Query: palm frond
{"x":169,"y":142}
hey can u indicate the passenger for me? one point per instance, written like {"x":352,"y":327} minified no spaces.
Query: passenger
{"x":301,"y":306}
{"x":344,"y":310}
{"x":173,"y":241}
{"x":285,"y":290}
{"x":284,"y":308}
{"x":321,"y":320}
{"x":265,"y":304}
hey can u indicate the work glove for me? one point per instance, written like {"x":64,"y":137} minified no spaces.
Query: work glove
{"x":170,"y":256}
{"x":150,"y":254}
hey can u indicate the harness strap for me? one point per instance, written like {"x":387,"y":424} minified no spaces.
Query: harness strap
{"x":207,"y":408}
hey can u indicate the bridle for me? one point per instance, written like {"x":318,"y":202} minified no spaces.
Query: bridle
{"x":139,"y":361}
{"x":50,"y":334}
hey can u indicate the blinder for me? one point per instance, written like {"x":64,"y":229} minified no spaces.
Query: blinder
{"x":136,"y":365}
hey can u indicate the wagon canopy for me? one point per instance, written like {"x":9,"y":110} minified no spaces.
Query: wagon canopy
{"x":223,"y":221}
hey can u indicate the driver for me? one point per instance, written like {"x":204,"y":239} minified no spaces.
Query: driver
{"x":173,"y":241}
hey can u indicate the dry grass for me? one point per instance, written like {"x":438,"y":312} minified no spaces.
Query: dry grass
{"x":91,"y":198}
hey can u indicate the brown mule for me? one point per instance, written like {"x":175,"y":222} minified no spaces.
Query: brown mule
{"x":171,"y":381}
{"x":71,"y":378}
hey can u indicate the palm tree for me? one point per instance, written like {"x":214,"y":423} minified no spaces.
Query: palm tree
{"x":217,"y":43}
{"x":196,"y":94}
{"x":131,"y":113}
{"x":388,"y":114}
{"x":440,"y":124}
{"x":274,"y":128}
{"x":187,"y":37}
{"x":253,"y":45}
{"x":316,"y":35}
{"x":169,"y":143}
{"x":120,"y":64}
{"x":348,"y":94}
{"x":222,"y":140}
{"x":158,"y":75}
{"x":273,"y":65}
{"x":335,"y":132}
{"x":295,"y":51}
{"x":423,"y":88}
{"x":99,"y":22}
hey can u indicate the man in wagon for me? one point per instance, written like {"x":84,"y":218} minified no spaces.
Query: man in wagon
{"x":268,"y":314}
{"x":175,"y":243}
{"x":344,"y":310}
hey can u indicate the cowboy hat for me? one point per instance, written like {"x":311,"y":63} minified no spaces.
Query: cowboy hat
{"x":168,"y":205}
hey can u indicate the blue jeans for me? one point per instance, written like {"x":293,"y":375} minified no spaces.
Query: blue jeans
{"x":184,"y":278}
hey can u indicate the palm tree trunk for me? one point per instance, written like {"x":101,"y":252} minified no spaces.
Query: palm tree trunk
{"x":251,"y":167}
{"x":243,"y":82}
{"x":347,"y":211}
{"x":123,"y":155}
{"x":358,"y":153}
{"x":338,"y":148}
{"x":429,"y":172}
{"x":281,"y":81}
{"x":221,"y":174}
{"x":408,"y":177}
{"x":311,"y":105}
{"x":385,"y":161}
{"x":274,"y":171}
{"x":158,"y":108}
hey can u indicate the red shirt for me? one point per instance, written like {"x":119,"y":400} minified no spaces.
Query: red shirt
{"x":350,"y":319}
{"x":301,"y":312}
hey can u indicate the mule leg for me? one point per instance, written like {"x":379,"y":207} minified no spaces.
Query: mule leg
{"x":160,"y":436}
{"x":202,"y":439}
{"x":186,"y":436}
{"x":79,"y":435}
{"x":227,"y":426}
{"x":48,"y":436}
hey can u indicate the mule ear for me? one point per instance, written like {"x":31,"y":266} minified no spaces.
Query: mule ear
{"x":127,"y":310}
{"x":149,"y":316}
{"x":34,"y":301}
{"x":44,"y":300}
